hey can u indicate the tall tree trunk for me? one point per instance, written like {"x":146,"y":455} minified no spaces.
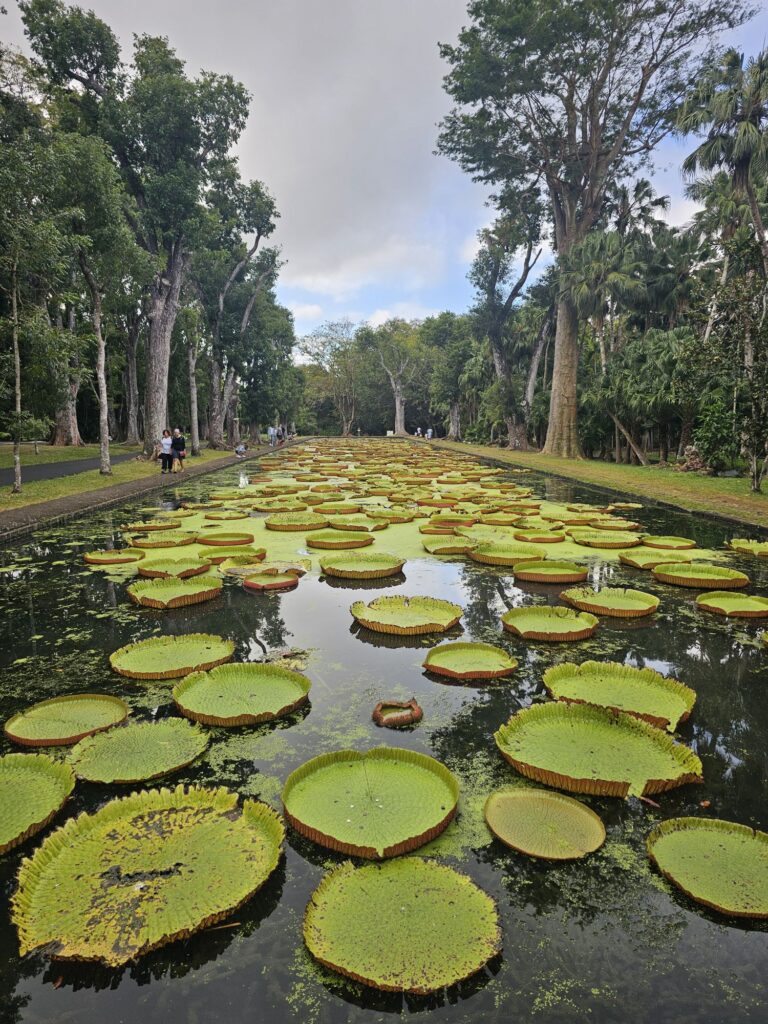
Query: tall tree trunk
{"x":713,"y":303}
{"x":219,"y":402}
{"x":16,"y":379}
{"x":164,"y":305}
{"x":517,"y":434}
{"x":454,"y":420}
{"x":633,"y":447}
{"x":194,"y":425}
{"x":562,"y":431}
{"x":233,"y":420}
{"x":66,"y":430}
{"x":533,"y":370}
{"x":132,"y":435}
{"x":105,"y":467}
{"x":686,"y":434}
{"x":399,"y":409}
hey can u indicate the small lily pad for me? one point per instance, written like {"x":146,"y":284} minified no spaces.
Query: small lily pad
{"x":619,"y":602}
{"x":173,"y":593}
{"x":542,"y":622}
{"x":544,"y":824}
{"x":465,"y":661}
{"x":550,"y":572}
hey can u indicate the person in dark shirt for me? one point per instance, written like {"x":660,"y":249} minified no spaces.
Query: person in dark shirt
{"x":179,"y":449}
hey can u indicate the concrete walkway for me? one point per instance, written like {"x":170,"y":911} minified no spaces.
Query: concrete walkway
{"x":31,"y":473}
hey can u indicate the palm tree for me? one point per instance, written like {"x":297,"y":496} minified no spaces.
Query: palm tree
{"x":730,"y":103}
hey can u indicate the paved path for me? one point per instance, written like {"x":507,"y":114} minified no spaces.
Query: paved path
{"x":53,"y":470}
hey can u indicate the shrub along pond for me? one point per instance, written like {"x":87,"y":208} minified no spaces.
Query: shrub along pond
{"x":150,"y":872}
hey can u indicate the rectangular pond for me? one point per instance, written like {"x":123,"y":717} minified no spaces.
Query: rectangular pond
{"x":600,"y":939}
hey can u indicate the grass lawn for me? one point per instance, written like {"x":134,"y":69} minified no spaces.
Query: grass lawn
{"x":723,"y":496}
{"x":91,"y":480}
{"x":48,"y":453}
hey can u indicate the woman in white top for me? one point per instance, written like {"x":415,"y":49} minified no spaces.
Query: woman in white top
{"x":166,"y":454}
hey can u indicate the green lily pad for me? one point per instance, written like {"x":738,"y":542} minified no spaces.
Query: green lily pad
{"x":588,"y":749}
{"x":747,"y":547}
{"x":215,"y":556}
{"x":615,"y":601}
{"x":543,"y":824}
{"x":649,"y":558}
{"x":409,"y":925}
{"x":391,"y":515}
{"x":240,"y":565}
{"x":550,"y":572}
{"x":638,"y":691}
{"x":116,"y":556}
{"x":738,"y":606}
{"x":505,"y":553}
{"x":173,"y":593}
{"x":296,"y":522}
{"x":668,"y":543}
{"x":138,"y":751}
{"x":605,"y":538}
{"x":62,"y":720}
{"x":166,"y":539}
{"x":33,"y":788}
{"x":242,"y":694}
{"x":226,"y":515}
{"x":221,"y":539}
{"x":339,"y":540}
{"x":366,"y":565}
{"x":382,"y":803}
{"x":151,"y":527}
{"x":172,"y":568}
{"x":407,"y":615}
{"x":470,"y":661}
{"x":539,"y":536}
{"x":260,"y":581}
{"x":446,"y":544}
{"x":542,"y":622}
{"x":699,"y":575}
{"x":720,"y":864}
{"x":144,"y":871}
{"x":166,"y":657}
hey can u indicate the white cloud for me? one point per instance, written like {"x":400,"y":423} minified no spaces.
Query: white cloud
{"x":403,"y":310}
{"x":305,"y":311}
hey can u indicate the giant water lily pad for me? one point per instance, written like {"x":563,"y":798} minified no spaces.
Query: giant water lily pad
{"x":143,"y":871}
{"x":470,"y":661}
{"x":140,"y":751}
{"x":447,"y":545}
{"x":615,"y":601}
{"x":243,"y":694}
{"x":216,"y":555}
{"x":542,"y":622}
{"x":718,"y":863}
{"x":221,"y":539}
{"x":296,"y":522}
{"x":165,"y":539}
{"x":649,"y":558}
{"x":588,"y":749}
{"x":115,"y":556}
{"x":166,"y":657}
{"x":700,"y":575}
{"x":744,"y":547}
{"x":174,"y":593}
{"x":33,"y":788}
{"x":407,"y":615}
{"x":379,"y":804}
{"x":172,"y":568}
{"x":543,"y":824}
{"x":737,"y":606}
{"x":550,"y":572}
{"x":364,"y":565}
{"x":62,"y":720}
{"x":358,"y":524}
{"x":408,"y":925}
{"x":261,"y":581}
{"x":504,"y":553}
{"x":605,"y":539}
{"x":638,"y":691}
{"x":339,"y":540}
{"x":668,"y":543}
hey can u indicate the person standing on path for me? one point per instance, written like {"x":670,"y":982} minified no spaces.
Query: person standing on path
{"x":166,"y":453}
{"x":178,"y":449}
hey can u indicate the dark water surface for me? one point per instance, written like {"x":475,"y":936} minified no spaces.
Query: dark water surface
{"x":600,"y":940}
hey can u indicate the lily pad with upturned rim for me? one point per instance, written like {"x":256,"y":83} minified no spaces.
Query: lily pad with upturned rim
{"x":139,"y":751}
{"x":242,"y":694}
{"x":397,"y":714}
{"x":62,"y":720}
{"x":173,"y":593}
{"x":408,"y":616}
{"x":605,"y":539}
{"x":543,"y":824}
{"x":543,"y":622}
{"x":539,"y":536}
{"x":224,"y":539}
{"x":367,"y":565}
{"x":550,"y":572}
{"x":668,"y":543}
{"x":338,"y":540}
{"x":172,"y":568}
{"x":504,"y":553}
{"x":171,"y":539}
{"x":586,"y":749}
{"x":619,"y":602}
{"x":167,"y":657}
{"x":382,"y":803}
{"x":750,"y":547}
{"x":260,"y":581}
{"x":33,"y":789}
{"x":642,"y":692}
{"x":117,"y":556}
{"x":296,"y":522}
{"x":737,"y":606}
{"x":721,"y":864}
{"x":699,"y":575}
{"x":408,"y":925}
{"x":215,"y":556}
{"x":75,"y":896}
{"x":464,"y":661}
{"x":447,"y":545}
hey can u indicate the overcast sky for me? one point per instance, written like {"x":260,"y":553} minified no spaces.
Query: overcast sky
{"x":346,"y":99}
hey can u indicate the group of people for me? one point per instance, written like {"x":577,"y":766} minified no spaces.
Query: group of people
{"x":420,"y":433}
{"x":172,"y":451}
{"x":275,"y":436}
